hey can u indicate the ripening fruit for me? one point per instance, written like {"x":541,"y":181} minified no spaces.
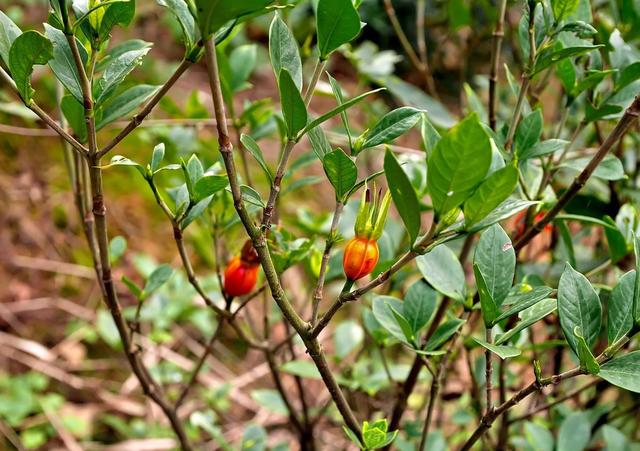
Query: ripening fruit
{"x":241,"y":274}
{"x":361,"y":254}
{"x":521,"y":224}
{"x":360,"y":257}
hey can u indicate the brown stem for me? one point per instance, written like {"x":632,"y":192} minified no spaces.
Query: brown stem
{"x":488,"y":374}
{"x":260,"y":245}
{"x":498,"y":35}
{"x":317,"y":296}
{"x":82,"y":150}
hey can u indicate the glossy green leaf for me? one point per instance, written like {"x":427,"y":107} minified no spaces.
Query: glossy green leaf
{"x":458,"y":164}
{"x":341,"y":171}
{"x":490,"y":194}
{"x":208,"y":185}
{"x":403,"y":194}
{"x":548,"y":56}
{"x":442,"y":269}
{"x":337,"y":110}
{"x":293,"y":107}
{"x":382,"y":311}
{"x":529,"y":131}
{"x":496,"y":260}
{"x":504,"y":352}
{"x":254,"y":149}
{"x":9,"y":31}
{"x":270,"y":400}
{"x":623,"y":371}
{"x":636,"y":288}
{"x":156,"y":157}
{"x":519,"y":301}
{"x":123,"y":104}
{"x":213,"y":14}
{"x":338,"y":22}
{"x":62,"y":64}
{"x":615,"y":241}
{"x":181,"y":11}
{"x":442,"y":334}
{"x":490,"y":308}
{"x":538,"y":437}
{"x":419,"y":305}
{"x":563,"y":8}
{"x":319,"y":142}
{"x":620,"y":311}
{"x":117,"y":70}
{"x":390,"y":126}
{"x":283,"y":50}
{"x":578,"y":306}
{"x":587,"y":360}
{"x":529,"y":317}
{"x":27,"y":50}
{"x":337,"y":92}
{"x":73,"y":112}
{"x":120,"y":13}
{"x":504,"y":211}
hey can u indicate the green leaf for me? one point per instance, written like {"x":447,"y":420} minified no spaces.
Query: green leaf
{"x":623,"y":371}
{"x":124,"y":103}
{"x":609,"y":169}
{"x":319,"y":142}
{"x":614,"y":439}
{"x":490,"y":194}
{"x":302,"y":368}
{"x":548,"y":56}
{"x":529,"y":131}
{"x":9,"y":31}
{"x":338,"y":22}
{"x":390,"y":126}
{"x":575,"y":432}
{"x":337,"y":93}
{"x":505,"y":210}
{"x":529,"y":317}
{"x":156,"y":157}
{"x":74,"y":113}
{"x":403,"y":194}
{"x":188,"y":24}
{"x":538,"y":437}
{"x":442,"y":269}
{"x":490,"y":308}
{"x":293,"y":107}
{"x":382,"y":307}
{"x":133,"y":288}
{"x":339,"y":109}
{"x":405,"y":327}
{"x":430,"y":135}
{"x":196,"y":211}
{"x":213,"y":14}
{"x":563,"y":8}
{"x":341,"y":171}
{"x":254,"y":149}
{"x":587,"y":360}
{"x":443,"y":333}
{"x":578,"y":306}
{"x":208,"y":185}
{"x":347,"y":337}
{"x":543,"y":148}
{"x":118,"y":68}
{"x":458,"y":164}
{"x":121,"y":13}
{"x":419,"y":305}
{"x":620,"y":311}
{"x":522,"y":301}
{"x":496,"y":260}
{"x":504,"y":352}
{"x":62,"y":64}
{"x":283,"y":50}
{"x":615,"y":240}
{"x":156,"y":279}
{"x":27,"y":50}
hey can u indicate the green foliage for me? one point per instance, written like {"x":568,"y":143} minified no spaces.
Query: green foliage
{"x":27,"y":50}
{"x":338,"y":22}
{"x":403,"y":194}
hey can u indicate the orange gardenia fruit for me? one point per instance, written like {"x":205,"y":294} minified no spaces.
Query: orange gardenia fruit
{"x":241,"y":274}
{"x":360,"y":257}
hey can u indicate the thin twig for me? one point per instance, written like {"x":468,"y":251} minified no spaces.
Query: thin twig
{"x":498,"y":35}
{"x":138,"y":118}
{"x":629,"y":117}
